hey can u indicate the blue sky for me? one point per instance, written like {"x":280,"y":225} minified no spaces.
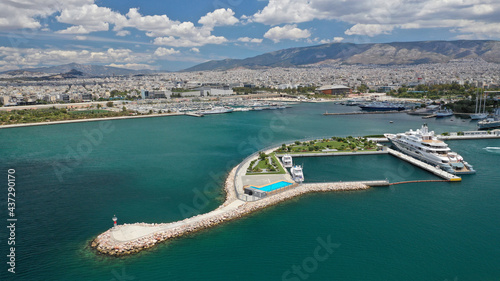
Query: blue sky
{"x":176,"y":34}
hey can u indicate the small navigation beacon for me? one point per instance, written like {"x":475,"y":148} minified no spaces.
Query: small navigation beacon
{"x":114,"y":220}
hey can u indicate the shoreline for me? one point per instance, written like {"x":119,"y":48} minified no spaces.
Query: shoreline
{"x":114,"y":242}
{"x":88,"y":120}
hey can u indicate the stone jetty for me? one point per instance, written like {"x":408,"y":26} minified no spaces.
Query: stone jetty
{"x":128,"y":239}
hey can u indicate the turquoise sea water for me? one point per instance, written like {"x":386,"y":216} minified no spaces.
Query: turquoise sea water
{"x":71,"y":179}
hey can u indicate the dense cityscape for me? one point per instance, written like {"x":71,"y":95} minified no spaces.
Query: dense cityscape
{"x":21,"y":91}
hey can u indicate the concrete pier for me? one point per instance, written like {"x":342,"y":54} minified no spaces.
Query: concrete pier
{"x":425,"y":166}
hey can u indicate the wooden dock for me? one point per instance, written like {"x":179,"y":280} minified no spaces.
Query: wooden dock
{"x":425,"y":166}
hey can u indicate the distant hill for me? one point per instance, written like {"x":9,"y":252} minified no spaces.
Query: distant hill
{"x":75,"y":69}
{"x":396,"y":53}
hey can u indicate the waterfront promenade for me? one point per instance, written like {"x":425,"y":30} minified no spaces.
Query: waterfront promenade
{"x":88,"y":120}
{"x":425,"y":166}
{"x":334,"y":153}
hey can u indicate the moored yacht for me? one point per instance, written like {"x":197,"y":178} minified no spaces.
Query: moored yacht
{"x":287,"y":161}
{"x":480,"y":113}
{"x":490,"y":122}
{"x":444,"y":112}
{"x":382,"y":106}
{"x":216,"y":110}
{"x":297,"y":174}
{"x":423,"y":145}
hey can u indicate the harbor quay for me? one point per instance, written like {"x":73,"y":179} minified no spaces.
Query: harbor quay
{"x":128,"y":239}
{"x":425,"y":166}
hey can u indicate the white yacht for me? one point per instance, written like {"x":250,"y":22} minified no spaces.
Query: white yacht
{"x":297,"y":174}
{"x":423,"y":145}
{"x":216,"y":110}
{"x":287,"y":161}
{"x":480,"y":113}
{"x":444,"y":113}
{"x":490,"y":122}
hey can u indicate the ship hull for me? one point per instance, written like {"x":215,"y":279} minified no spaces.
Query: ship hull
{"x":489,"y":125}
{"x":427,"y":158}
{"x":478,"y":116}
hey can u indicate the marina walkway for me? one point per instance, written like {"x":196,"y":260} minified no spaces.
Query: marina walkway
{"x":354,"y":153}
{"x":425,"y":166}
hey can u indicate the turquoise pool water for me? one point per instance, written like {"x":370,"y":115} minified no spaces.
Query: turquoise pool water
{"x":274,"y":186}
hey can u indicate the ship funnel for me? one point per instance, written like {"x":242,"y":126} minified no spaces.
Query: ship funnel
{"x":424,"y":129}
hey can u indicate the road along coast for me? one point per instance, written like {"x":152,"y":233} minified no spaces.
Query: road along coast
{"x":128,"y":239}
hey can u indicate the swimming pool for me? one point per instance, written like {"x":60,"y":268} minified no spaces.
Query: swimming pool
{"x":273,"y":186}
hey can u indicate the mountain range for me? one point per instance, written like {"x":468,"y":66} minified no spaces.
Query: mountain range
{"x":396,"y":53}
{"x":79,"y":69}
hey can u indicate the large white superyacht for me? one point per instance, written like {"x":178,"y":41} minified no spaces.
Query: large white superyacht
{"x":423,"y":145}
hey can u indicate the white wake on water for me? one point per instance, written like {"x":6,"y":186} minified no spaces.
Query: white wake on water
{"x":493,"y":149}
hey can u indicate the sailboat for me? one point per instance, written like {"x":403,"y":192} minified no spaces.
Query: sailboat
{"x":478,"y":115}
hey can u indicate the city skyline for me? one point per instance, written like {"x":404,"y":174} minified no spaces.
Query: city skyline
{"x":179,"y":34}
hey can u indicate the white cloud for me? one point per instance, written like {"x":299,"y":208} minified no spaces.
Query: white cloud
{"x":172,"y":33}
{"x":219,"y":17}
{"x":326,"y":41}
{"x":373,"y":17}
{"x":289,"y":31}
{"x":479,"y":31}
{"x":31,"y":14}
{"x":285,"y":11}
{"x":123,"y":33}
{"x":30,"y":57}
{"x":250,"y":40}
{"x":197,"y":40}
{"x":88,"y":18}
{"x":195,"y":50}
{"x":369,"y":29}
{"x":164,"y":52}
{"x":134,"y":66}
{"x":84,"y":17}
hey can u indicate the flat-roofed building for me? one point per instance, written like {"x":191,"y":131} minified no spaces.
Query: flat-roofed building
{"x":334,"y":90}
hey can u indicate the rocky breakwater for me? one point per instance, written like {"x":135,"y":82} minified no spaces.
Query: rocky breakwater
{"x":131,"y":238}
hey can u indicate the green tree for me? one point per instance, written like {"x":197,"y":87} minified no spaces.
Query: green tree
{"x":109,"y":104}
{"x":262,"y":156}
{"x":363,"y":88}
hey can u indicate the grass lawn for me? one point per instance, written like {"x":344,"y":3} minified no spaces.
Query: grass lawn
{"x":92,"y":111}
{"x":264,"y":165}
{"x":328,"y":152}
{"x":340,"y":144}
